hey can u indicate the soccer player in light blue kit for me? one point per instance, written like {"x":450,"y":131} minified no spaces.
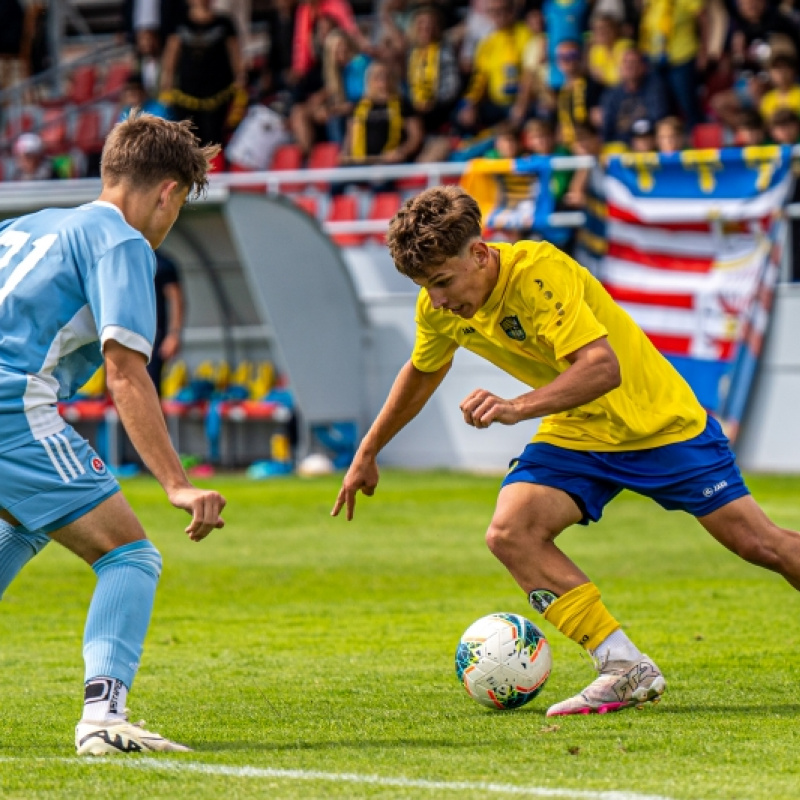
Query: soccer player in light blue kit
{"x":76,"y":291}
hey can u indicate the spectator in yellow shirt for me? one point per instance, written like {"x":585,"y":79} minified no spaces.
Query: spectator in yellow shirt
{"x":668,"y":36}
{"x":498,"y":66}
{"x":786,"y":91}
{"x":606,"y":50}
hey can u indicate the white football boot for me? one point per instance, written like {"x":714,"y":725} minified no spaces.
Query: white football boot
{"x":620,"y":684}
{"x":121,"y":736}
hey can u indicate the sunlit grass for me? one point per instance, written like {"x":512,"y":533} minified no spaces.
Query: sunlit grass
{"x":291,"y":640}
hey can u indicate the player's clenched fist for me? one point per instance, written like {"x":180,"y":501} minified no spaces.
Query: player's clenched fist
{"x":481,"y":408}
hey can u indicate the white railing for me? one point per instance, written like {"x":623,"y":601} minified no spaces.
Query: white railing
{"x":29,"y":195}
{"x":433,"y":173}
{"x":20,"y":196}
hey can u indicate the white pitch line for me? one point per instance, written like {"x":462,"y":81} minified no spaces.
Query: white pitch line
{"x":346,"y":777}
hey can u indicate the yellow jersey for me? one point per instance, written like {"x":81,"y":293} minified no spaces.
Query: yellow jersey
{"x":544,"y":307}
{"x":498,"y":65}
{"x":775,"y":100}
{"x":604,"y":62}
{"x":668,"y":30}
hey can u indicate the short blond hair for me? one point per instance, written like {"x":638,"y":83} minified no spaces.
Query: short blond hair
{"x":435,"y":225}
{"x":670,"y":123}
{"x":144,"y":150}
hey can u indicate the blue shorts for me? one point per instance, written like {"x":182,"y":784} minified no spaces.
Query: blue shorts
{"x":49,"y":483}
{"x":697,"y":476}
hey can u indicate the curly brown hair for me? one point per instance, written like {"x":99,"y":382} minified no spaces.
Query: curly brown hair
{"x":430,"y":228}
{"x":144,"y":150}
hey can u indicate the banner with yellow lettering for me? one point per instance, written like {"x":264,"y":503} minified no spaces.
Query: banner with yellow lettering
{"x":692,"y":253}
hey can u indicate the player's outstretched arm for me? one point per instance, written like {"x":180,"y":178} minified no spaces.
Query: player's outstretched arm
{"x":137,"y":403}
{"x":409,"y":393}
{"x":593,"y":371}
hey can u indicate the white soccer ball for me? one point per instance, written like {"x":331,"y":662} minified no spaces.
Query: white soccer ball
{"x":315,"y":464}
{"x":503,"y":660}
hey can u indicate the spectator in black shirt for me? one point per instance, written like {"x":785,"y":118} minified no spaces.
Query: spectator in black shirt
{"x":11,"y":20}
{"x":278,"y":75}
{"x":202,"y":69}
{"x":382,"y":128}
{"x":757,"y":28}
{"x":640,"y":95}
{"x":169,"y":317}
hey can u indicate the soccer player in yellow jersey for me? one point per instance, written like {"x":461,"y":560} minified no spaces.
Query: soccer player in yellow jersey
{"x":614,"y":415}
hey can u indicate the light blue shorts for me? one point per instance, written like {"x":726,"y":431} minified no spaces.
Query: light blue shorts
{"x":49,"y":483}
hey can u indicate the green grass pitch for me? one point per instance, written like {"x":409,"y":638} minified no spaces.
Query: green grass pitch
{"x":304,"y":656}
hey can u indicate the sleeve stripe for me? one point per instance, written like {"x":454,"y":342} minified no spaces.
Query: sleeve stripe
{"x":130,"y":339}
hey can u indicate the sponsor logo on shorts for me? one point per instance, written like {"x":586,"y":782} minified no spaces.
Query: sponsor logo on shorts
{"x":98,"y":465}
{"x":712,"y":490}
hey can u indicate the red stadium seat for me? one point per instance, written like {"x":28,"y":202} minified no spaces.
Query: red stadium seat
{"x":384,"y":206}
{"x":288,"y":157}
{"x":307,"y":203}
{"x":54,"y":131}
{"x":82,"y":82}
{"x":344,"y":208}
{"x":324,"y":155}
{"x":115,"y":78}
{"x":88,"y":135}
{"x":416,"y":183}
{"x":708,"y":135}
{"x":217,"y":162}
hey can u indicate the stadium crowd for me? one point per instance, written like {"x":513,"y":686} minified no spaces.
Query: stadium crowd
{"x":434,"y":80}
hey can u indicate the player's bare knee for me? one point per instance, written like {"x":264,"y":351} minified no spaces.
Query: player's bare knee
{"x":499,"y":538}
{"x":506,"y":537}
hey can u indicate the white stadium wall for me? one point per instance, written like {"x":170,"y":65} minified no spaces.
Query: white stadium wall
{"x":264,"y":282}
{"x":770,"y":436}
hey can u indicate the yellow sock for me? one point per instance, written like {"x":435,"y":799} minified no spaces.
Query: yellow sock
{"x":581,"y":615}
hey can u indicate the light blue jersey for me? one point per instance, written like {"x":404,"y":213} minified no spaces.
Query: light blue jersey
{"x":70,"y":280}
{"x":563,"y":20}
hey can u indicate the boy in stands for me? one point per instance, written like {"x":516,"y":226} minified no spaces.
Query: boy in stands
{"x":615,"y":415}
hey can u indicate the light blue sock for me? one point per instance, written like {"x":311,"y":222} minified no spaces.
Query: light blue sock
{"x":17,"y":547}
{"x":120,"y":611}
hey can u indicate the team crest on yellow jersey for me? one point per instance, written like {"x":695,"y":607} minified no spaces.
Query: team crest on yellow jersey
{"x":512,"y":328}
